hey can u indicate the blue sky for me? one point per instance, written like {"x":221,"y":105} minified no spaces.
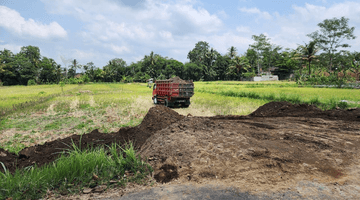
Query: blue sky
{"x":97,"y":31}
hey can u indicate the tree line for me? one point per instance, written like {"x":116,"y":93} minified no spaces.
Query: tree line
{"x":323,"y":58}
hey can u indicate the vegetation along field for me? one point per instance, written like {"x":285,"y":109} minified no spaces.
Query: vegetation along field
{"x":55,"y":113}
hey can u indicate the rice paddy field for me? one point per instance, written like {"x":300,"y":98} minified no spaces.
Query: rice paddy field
{"x":326,"y":98}
{"x":34,"y":114}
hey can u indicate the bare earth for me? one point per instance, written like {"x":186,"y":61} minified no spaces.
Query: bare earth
{"x":280,"y":151}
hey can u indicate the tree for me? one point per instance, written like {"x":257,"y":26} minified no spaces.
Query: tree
{"x":48,"y":73}
{"x":72,"y":68}
{"x":32,"y":53}
{"x":192,"y":71}
{"x":174,"y":68}
{"x":270,"y":53}
{"x":221,"y":66}
{"x":8,"y":74}
{"x":197,"y":55}
{"x":355,"y":65}
{"x":89,"y":69}
{"x":308,"y":52}
{"x":261,"y":44}
{"x":232,"y":51}
{"x":30,"y":57}
{"x":149,"y":63}
{"x":285,"y":63}
{"x":331,"y":35}
{"x":25,"y":68}
{"x":238,"y":65}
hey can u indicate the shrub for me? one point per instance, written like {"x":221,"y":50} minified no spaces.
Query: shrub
{"x":31,"y":82}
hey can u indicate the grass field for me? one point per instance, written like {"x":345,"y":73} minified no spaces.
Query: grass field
{"x":326,"y":98}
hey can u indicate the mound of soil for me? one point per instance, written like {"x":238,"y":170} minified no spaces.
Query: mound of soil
{"x":177,"y":80}
{"x":275,"y":147}
{"x":286,"y":109}
{"x":156,"y":119}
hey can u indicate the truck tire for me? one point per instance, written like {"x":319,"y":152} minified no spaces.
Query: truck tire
{"x":155,"y":100}
{"x":166,"y":103}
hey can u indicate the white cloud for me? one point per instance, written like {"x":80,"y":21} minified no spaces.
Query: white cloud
{"x":223,"y":14}
{"x":243,"y":29}
{"x":12,"y":21}
{"x":12,"y":47}
{"x":264,"y":15}
{"x":128,"y":31}
{"x":83,"y":55}
{"x":171,"y":28}
{"x":118,"y":49}
{"x":293,"y":28}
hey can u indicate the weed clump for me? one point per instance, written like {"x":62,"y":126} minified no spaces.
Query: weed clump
{"x":75,"y":170}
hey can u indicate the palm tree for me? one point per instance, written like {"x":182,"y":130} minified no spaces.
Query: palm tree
{"x":239,"y":63}
{"x":211,"y":55}
{"x":152,"y":59}
{"x":232,"y":52}
{"x":308,"y":52}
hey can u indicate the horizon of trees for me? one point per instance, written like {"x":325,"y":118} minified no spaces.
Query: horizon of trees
{"x":323,"y":55}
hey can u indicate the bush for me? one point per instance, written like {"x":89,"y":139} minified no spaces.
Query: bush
{"x":31,"y":82}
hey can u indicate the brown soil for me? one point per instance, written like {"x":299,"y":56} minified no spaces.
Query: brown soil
{"x":48,"y":152}
{"x":177,"y":80}
{"x":274,"y":148}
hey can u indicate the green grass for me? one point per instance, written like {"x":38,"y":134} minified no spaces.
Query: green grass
{"x":326,"y":98}
{"x":215,"y":104}
{"x":74,"y":171}
{"x":106,"y":107}
{"x":13,"y":95}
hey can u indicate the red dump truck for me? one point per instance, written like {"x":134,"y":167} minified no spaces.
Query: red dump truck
{"x":173,"y":92}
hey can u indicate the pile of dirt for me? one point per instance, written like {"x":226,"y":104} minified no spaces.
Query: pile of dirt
{"x":286,"y":109}
{"x":177,"y":80}
{"x":274,"y":148}
{"x":156,"y":119}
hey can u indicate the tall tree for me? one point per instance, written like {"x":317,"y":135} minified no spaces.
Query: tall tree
{"x":355,"y":65}
{"x":331,"y":35}
{"x":197,"y":55}
{"x":32,"y":55}
{"x":238,"y":65}
{"x":221,"y":66}
{"x":149,"y":64}
{"x":262,"y":43}
{"x":308,"y":52}
{"x":8,"y":74}
{"x":48,"y":73}
{"x":232,"y":51}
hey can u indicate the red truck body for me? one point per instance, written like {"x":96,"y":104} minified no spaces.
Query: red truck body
{"x":173,"y":92}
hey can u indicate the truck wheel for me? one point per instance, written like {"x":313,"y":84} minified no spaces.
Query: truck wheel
{"x":155,"y":100}
{"x":186,"y":106}
{"x":166,"y":103}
